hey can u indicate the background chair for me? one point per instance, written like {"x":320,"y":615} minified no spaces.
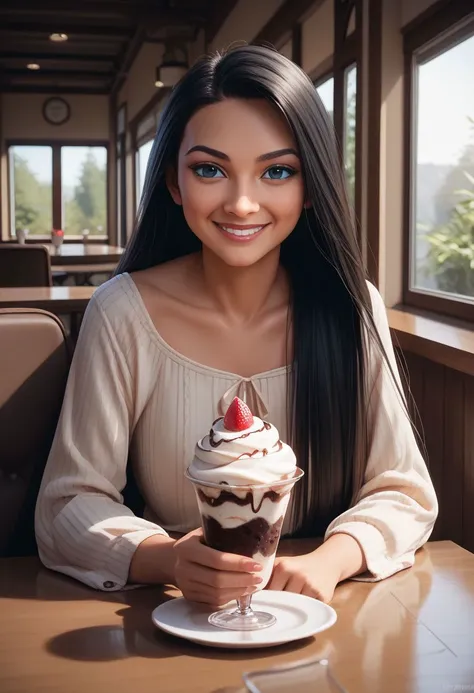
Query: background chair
{"x":24,"y":265}
{"x":35,"y":359}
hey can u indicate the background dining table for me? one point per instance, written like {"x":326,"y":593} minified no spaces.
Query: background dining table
{"x":84,"y":253}
{"x":411,"y":633}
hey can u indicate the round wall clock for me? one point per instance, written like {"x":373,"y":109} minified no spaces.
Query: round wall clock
{"x":56,"y":110}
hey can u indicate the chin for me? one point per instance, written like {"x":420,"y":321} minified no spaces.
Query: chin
{"x":240,"y":259}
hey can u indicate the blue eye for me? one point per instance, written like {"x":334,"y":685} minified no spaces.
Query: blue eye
{"x":279,"y":173}
{"x":207,"y":171}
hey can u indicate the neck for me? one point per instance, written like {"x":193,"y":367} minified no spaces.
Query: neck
{"x":242,"y":293}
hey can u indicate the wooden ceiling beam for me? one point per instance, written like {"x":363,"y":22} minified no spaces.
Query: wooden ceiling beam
{"x":280,"y":26}
{"x":128,"y":57}
{"x":56,"y":74}
{"x":67,"y":16}
{"x":60,"y":56}
{"x":52,"y":89}
{"x":93,"y":30}
{"x":80,"y":9}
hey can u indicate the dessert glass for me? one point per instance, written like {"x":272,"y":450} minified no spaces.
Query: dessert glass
{"x":245,"y":520}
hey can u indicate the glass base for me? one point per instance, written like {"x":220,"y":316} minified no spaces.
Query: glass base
{"x":231,"y":619}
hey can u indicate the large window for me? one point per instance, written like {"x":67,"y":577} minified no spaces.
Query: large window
{"x":441,"y":220}
{"x":31,"y":187}
{"x":325,"y":91}
{"x":350,"y":94}
{"x":84,"y":190}
{"x":58,"y":187}
{"x":143,"y":154}
{"x":326,"y":94}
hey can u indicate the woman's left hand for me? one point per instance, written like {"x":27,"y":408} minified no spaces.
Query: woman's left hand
{"x":304,"y":575}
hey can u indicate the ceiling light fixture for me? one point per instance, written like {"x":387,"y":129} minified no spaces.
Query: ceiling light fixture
{"x":33,"y":66}
{"x":173,"y":66}
{"x":58,"y":38}
{"x":158,"y":82}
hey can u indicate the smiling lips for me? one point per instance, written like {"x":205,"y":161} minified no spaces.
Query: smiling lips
{"x":240,"y":232}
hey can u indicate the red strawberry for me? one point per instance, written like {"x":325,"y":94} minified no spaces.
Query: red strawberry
{"x":238,"y":416}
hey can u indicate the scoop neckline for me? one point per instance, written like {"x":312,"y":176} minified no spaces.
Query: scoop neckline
{"x":178,"y":356}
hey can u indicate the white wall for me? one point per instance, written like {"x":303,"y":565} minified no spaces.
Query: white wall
{"x":287,"y":49}
{"x":22,"y":117}
{"x":140,"y":83}
{"x":412,"y":8}
{"x":318,"y":36}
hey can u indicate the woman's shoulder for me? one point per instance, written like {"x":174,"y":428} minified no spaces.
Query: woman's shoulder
{"x":114,"y":298}
{"x":117,"y":308}
{"x":377,"y":302}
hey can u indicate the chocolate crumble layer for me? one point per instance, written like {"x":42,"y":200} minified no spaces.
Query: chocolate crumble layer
{"x":248,"y":539}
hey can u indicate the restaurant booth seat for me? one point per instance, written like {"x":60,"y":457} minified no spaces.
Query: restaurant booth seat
{"x":24,"y":265}
{"x":35,"y":359}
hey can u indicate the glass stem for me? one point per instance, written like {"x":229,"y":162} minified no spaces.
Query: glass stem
{"x":243,"y":605}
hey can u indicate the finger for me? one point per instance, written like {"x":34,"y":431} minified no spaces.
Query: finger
{"x":295,"y":584}
{"x":325,"y":597}
{"x":221,"y":579}
{"x":278,"y":581}
{"x":219,"y":560}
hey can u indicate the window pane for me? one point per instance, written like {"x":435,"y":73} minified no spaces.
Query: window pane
{"x":31,"y":177}
{"x":143,"y":155}
{"x":442,"y":232}
{"x":84,"y":190}
{"x":326,"y":94}
{"x":350,"y":82}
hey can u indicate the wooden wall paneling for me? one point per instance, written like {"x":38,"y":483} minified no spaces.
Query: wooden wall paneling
{"x":453,"y":456}
{"x":442,"y":409}
{"x":432,"y":415}
{"x":411,"y":373}
{"x":468,"y":480}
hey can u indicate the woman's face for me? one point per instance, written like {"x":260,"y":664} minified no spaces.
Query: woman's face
{"x":239,"y":179}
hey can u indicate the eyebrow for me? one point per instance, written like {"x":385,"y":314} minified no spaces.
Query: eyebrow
{"x":220,"y":155}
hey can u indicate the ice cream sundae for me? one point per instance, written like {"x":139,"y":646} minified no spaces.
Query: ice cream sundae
{"x":243,"y":475}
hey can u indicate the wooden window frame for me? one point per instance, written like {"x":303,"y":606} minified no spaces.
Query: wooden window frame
{"x":430,"y":34}
{"x":152,"y":105}
{"x":56,"y":146}
{"x":121,"y":145}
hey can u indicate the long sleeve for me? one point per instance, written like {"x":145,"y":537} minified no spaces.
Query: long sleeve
{"x":396,"y":507}
{"x":82,"y":527}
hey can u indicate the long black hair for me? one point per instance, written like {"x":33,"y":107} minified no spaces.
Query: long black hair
{"x":330,"y":305}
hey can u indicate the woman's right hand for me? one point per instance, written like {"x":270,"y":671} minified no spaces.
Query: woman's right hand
{"x":212,"y":577}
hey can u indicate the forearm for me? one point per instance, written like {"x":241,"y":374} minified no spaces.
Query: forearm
{"x":154,"y":561}
{"x":343,"y":555}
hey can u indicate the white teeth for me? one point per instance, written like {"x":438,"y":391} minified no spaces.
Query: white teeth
{"x":242,"y":232}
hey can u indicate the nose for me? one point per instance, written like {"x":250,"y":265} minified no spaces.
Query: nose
{"x":241,"y":203}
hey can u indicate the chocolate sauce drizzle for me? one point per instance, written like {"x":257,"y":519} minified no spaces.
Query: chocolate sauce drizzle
{"x":215,"y":444}
{"x":229,"y":497}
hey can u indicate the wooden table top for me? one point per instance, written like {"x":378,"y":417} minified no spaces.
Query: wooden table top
{"x":82,"y":268}
{"x":412,"y":633}
{"x":56,"y":299}
{"x":77,"y":253}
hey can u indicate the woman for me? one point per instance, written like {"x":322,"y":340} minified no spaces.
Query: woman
{"x":243,"y":277}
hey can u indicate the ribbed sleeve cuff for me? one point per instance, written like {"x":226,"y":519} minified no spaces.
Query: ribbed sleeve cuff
{"x":116,"y":568}
{"x":374,"y":548}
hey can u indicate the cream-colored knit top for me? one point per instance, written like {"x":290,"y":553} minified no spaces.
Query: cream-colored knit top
{"x":130,"y":393}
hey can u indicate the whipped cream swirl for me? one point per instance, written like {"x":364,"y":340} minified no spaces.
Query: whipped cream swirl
{"x":255,"y":455}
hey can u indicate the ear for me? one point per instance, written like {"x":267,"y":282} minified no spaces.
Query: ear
{"x":172,"y":185}
{"x":307,"y":204}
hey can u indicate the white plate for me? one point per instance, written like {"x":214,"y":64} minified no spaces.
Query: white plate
{"x":297,"y":617}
